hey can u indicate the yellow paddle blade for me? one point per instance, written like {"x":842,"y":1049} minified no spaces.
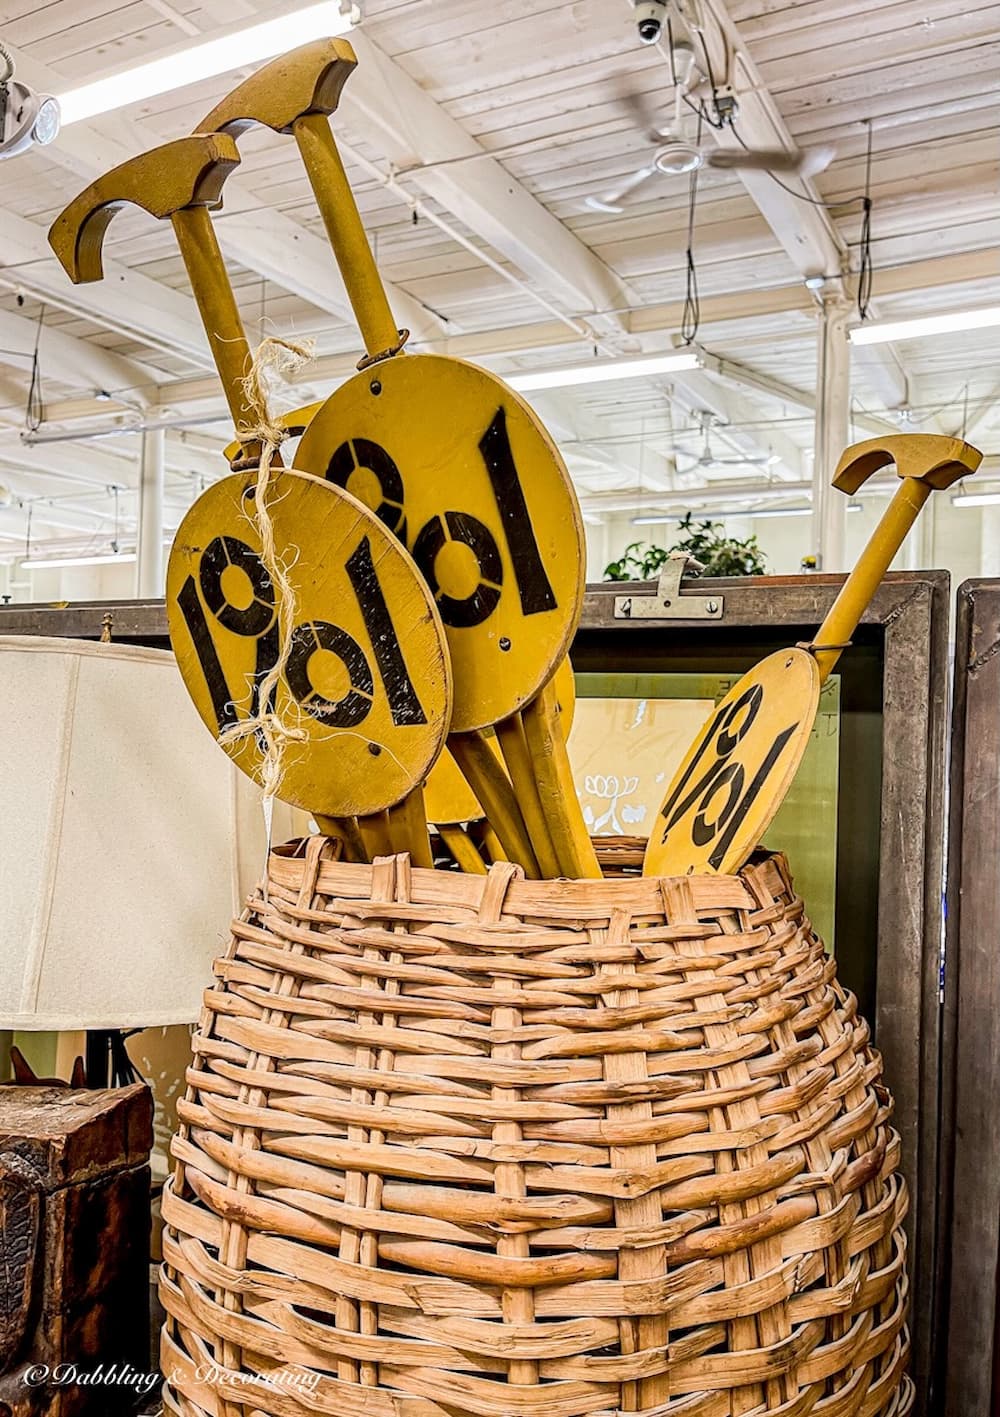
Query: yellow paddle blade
{"x":362,"y":705}
{"x":735,"y":776}
{"x":447,"y":796}
{"x":457,"y":465}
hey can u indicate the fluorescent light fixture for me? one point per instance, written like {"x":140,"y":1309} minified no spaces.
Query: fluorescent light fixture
{"x":662,"y":518}
{"x":976,"y":499}
{"x":881,"y":331}
{"x":604,"y":370}
{"x":55,"y":563}
{"x":206,"y":60}
{"x":774,"y":512}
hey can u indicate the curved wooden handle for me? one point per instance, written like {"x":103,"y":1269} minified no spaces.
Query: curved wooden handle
{"x":925,"y":462}
{"x":923,"y":457}
{"x":177,"y":176}
{"x":308,"y":80}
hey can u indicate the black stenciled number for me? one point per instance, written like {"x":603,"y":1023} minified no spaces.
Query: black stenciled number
{"x":404,"y":705}
{"x":533,"y":585}
{"x":460,"y":526}
{"x":719,"y":793}
{"x":363,"y":453}
{"x":356,"y":704}
{"x":256,"y":620}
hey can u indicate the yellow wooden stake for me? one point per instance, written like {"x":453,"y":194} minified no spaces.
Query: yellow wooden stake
{"x":556,"y":789}
{"x":347,"y":830}
{"x":463,"y":849}
{"x":374,"y":831}
{"x":522,"y":771}
{"x":491,"y":786}
{"x":735,"y":776}
{"x":408,"y":828}
{"x":295,"y":94}
{"x":492,"y":844}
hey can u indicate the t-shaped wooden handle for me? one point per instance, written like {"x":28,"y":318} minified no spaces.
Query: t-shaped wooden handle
{"x":309,"y":79}
{"x":296,"y":94}
{"x":922,"y":457}
{"x":926,"y":462}
{"x":177,"y":182}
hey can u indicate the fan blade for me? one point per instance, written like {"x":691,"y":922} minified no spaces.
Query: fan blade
{"x":736,"y":462}
{"x":643,"y":113}
{"x":801,"y":163}
{"x":611,"y":201}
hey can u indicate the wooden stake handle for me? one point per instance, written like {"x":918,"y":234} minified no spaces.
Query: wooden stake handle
{"x":926,"y":462}
{"x":489,"y":782}
{"x":543,"y":730}
{"x":178,"y":181}
{"x":295,"y":94}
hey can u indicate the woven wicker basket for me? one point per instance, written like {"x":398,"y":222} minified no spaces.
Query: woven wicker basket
{"x":461,"y":1144}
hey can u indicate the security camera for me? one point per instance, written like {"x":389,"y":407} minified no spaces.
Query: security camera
{"x":26,"y":117}
{"x":650,"y":16}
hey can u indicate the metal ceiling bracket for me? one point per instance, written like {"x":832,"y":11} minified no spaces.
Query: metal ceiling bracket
{"x":668,"y":603}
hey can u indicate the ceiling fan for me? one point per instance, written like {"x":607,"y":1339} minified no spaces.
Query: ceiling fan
{"x":706,"y":459}
{"x":675,"y":153}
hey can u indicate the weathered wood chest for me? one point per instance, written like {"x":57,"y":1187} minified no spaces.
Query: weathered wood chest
{"x":74,"y":1249}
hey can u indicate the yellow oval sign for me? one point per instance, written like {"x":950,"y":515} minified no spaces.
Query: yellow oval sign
{"x":366,"y":688}
{"x":460,"y":469}
{"x":736,"y":773}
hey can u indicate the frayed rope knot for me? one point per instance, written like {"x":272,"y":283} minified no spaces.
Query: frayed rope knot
{"x":270,"y":729}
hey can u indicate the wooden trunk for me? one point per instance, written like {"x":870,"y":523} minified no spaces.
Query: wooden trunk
{"x":74,"y":1249}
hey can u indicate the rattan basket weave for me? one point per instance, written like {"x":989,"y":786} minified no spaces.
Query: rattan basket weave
{"x":461,"y":1144}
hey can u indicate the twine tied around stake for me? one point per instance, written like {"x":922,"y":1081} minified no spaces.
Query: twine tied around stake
{"x":272,"y":731}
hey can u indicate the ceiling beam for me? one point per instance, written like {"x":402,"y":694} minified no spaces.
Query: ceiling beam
{"x":650,"y":321}
{"x":792,"y":208}
{"x":261,"y":239}
{"x":411,"y":129}
{"x":71,"y":360}
{"x":803,"y":227}
{"x":124,"y":300}
{"x":731,"y":371}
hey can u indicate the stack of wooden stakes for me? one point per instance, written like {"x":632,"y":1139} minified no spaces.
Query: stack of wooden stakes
{"x":438,"y":576}
{"x":487,"y":1140}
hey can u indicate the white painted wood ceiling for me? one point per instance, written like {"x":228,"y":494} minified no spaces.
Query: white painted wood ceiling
{"x":544,"y":88}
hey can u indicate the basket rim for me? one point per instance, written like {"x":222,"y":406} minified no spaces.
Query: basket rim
{"x":565,"y":897}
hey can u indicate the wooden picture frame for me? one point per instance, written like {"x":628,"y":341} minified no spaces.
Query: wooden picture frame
{"x":968,"y":1330}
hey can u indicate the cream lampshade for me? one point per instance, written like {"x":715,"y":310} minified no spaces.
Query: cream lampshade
{"x":127,"y":838}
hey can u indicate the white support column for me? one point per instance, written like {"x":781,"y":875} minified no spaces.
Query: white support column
{"x":990,"y":532}
{"x":149,"y":537}
{"x":832,"y":432}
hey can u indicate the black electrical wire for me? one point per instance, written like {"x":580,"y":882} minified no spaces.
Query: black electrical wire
{"x":865,"y":269}
{"x":800,"y":196}
{"x":34,"y":410}
{"x":691,"y":315}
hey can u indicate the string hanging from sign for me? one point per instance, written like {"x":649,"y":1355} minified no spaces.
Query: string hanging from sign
{"x":270,"y":728}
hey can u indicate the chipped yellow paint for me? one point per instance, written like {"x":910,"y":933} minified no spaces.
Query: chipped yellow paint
{"x":735,"y":776}
{"x":732,"y":781}
{"x":459,"y":467}
{"x":367,"y":687}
